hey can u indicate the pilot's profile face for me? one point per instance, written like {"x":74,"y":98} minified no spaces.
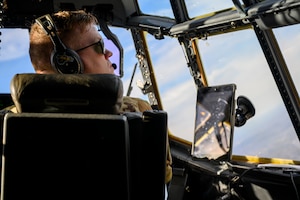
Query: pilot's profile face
{"x":94,"y":60}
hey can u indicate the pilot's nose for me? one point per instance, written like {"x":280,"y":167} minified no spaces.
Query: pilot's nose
{"x":108,"y":53}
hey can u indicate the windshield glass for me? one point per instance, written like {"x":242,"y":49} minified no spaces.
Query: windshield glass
{"x":13,"y":55}
{"x":230,"y":58}
{"x":197,"y":8}
{"x":237,"y":58}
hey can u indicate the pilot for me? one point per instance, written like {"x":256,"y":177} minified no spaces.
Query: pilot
{"x":78,"y":31}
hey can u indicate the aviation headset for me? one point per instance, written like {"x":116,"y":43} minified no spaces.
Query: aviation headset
{"x":63,"y":59}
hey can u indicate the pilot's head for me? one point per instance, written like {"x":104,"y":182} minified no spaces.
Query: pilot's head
{"x":78,"y":32}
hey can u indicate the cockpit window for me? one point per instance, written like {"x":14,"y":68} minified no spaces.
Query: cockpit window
{"x":160,"y":8}
{"x":290,"y":50}
{"x":14,"y":57}
{"x":237,"y":58}
{"x":197,"y":8}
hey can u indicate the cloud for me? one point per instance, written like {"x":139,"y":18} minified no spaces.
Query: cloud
{"x":179,"y":102}
{"x":14,"y":44}
{"x":196,"y":8}
{"x":290,"y":50}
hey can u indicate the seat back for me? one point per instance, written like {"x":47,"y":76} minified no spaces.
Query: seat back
{"x":55,"y":149}
{"x":65,"y":156}
{"x":84,"y":156}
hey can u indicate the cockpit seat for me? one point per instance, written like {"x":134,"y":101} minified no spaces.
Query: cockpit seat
{"x":68,"y":141}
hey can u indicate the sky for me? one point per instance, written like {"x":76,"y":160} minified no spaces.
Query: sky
{"x":250,"y":72}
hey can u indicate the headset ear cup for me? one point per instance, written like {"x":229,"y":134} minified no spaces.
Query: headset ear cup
{"x":67,"y":62}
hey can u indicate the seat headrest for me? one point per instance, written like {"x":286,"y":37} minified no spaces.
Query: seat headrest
{"x":67,"y":93}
